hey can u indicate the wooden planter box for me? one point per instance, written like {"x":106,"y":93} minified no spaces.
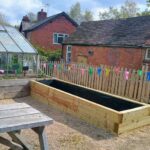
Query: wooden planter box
{"x":114,"y":113}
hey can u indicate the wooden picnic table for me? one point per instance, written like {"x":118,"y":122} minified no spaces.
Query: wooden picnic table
{"x":18,"y":116}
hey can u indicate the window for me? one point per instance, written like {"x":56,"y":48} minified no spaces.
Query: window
{"x":58,"y":38}
{"x":147,"y":55}
{"x":68,"y":54}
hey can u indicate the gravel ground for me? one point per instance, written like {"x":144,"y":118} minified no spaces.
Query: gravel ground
{"x":70,"y":133}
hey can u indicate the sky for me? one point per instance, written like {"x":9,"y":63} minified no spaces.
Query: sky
{"x":14,"y":10}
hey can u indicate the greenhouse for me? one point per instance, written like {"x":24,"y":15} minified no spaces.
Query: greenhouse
{"x":16,"y":53}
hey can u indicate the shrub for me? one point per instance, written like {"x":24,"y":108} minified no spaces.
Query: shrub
{"x":48,"y":55}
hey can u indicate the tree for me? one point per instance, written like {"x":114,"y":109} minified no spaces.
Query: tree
{"x":148,"y":3}
{"x":75,"y":13}
{"x":128,"y":9}
{"x":144,"y":13}
{"x":3,"y":19}
{"x":32,"y":16}
{"x":112,"y":13}
{"x":88,"y":16}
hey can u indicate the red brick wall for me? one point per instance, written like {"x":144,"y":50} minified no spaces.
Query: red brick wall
{"x":125,"y":57}
{"x":43,"y":36}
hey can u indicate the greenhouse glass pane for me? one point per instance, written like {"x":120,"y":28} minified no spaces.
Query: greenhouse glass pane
{"x":1,"y":28}
{"x":8,"y":43}
{"x":20,"y":40}
{"x":2,"y":49}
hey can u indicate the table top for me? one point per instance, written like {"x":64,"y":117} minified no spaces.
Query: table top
{"x":19,"y":116}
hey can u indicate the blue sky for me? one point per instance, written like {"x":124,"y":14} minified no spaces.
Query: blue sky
{"x":15,"y":9}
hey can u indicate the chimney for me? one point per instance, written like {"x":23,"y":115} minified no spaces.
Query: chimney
{"x":26,"y":19}
{"x":41,"y":15}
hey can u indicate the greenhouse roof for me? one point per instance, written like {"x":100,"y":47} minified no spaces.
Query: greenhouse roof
{"x":12,"y":41}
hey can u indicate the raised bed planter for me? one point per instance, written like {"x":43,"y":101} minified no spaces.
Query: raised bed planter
{"x":101,"y":109}
{"x":14,"y":88}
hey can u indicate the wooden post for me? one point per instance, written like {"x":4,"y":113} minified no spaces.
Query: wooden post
{"x":42,"y":137}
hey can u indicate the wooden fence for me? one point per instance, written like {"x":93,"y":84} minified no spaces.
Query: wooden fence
{"x":134,"y":84}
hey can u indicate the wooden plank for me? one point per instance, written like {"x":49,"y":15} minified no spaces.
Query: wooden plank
{"x":12,"y":82}
{"x":129,"y":126}
{"x":134,"y":114}
{"x":42,"y":137}
{"x":10,"y":144}
{"x":113,"y":81}
{"x":136,"y":85}
{"x":128,"y":84}
{"x":10,"y":113}
{"x":143,"y":97}
{"x":20,"y":140}
{"x":24,"y":122}
{"x":14,"y":106}
{"x":132,"y":83}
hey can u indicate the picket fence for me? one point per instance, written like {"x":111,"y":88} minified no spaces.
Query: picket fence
{"x":130,"y":83}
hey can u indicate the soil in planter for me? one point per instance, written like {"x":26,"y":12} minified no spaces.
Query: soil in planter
{"x":91,"y":95}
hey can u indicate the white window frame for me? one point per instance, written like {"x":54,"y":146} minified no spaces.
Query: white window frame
{"x":64,"y":34}
{"x":68,"y":52}
{"x":146,"y":54}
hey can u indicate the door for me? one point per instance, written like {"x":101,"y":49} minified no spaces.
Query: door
{"x":68,"y":53}
{"x":82,"y":59}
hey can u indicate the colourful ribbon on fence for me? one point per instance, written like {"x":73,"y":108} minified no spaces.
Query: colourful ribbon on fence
{"x":59,"y":67}
{"x":148,"y":76}
{"x":117,"y":70}
{"x":73,"y":66}
{"x":126,"y":75}
{"x":55,"y":66}
{"x":50,"y":66}
{"x":65,"y":68}
{"x":107,"y":71}
{"x":99,"y":71}
{"x":69,"y":68}
{"x":91,"y":70}
{"x":140,"y":72}
{"x":82,"y":71}
{"x":44,"y":65}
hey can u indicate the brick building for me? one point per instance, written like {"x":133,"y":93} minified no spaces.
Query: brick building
{"x":48,"y":32}
{"x":123,"y":42}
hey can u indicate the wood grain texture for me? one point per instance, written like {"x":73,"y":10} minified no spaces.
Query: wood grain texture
{"x":21,"y":116}
{"x":95,"y":114}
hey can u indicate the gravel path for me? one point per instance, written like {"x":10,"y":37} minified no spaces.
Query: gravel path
{"x":70,"y":133}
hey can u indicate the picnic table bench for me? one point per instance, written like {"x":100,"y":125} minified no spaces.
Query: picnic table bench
{"x":18,"y":116}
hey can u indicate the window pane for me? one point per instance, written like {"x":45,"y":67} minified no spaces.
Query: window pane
{"x":66,"y":35}
{"x":60,"y":39}
{"x":3,"y":61}
{"x":8,"y":43}
{"x":68,"y":49}
{"x":55,"y":38}
{"x":20,"y":40}
{"x":61,"y":35}
{"x":2,"y":49}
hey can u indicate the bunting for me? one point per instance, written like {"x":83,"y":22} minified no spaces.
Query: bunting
{"x":107,"y":71}
{"x":44,"y":65}
{"x":117,"y":70}
{"x":99,"y":70}
{"x":50,"y":66}
{"x":126,"y":75}
{"x":148,"y":76}
{"x":82,"y":71}
{"x":140,"y":72}
{"x":91,"y":70}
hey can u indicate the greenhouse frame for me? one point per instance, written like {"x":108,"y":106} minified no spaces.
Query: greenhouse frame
{"x":16,"y":53}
